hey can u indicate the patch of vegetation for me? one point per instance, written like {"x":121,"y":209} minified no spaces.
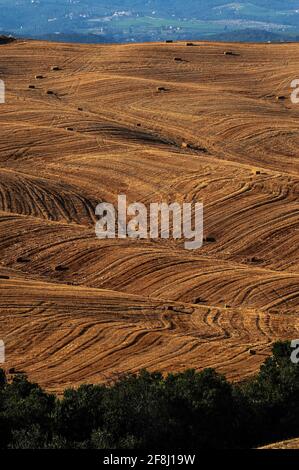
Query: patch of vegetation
{"x":191,"y":409}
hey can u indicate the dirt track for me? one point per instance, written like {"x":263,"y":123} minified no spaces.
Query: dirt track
{"x":105,"y":130}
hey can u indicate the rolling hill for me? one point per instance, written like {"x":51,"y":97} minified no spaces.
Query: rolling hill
{"x":76,"y":309}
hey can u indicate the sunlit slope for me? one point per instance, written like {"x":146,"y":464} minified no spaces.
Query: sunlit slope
{"x":64,"y":335}
{"x":283,"y":445}
{"x":222,"y":130}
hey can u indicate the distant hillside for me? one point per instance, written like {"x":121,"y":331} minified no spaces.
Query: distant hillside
{"x":150,"y":20}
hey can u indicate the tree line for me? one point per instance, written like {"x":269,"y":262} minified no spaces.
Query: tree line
{"x":195,"y":410}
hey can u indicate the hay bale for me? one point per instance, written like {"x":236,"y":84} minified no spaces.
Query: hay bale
{"x":199,"y":300}
{"x":22,"y":259}
{"x":210,"y":239}
{"x":255,"y":260}
{"x":184,"y":145}
{"x":167,"y":308}
{"x":61,"y":268}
